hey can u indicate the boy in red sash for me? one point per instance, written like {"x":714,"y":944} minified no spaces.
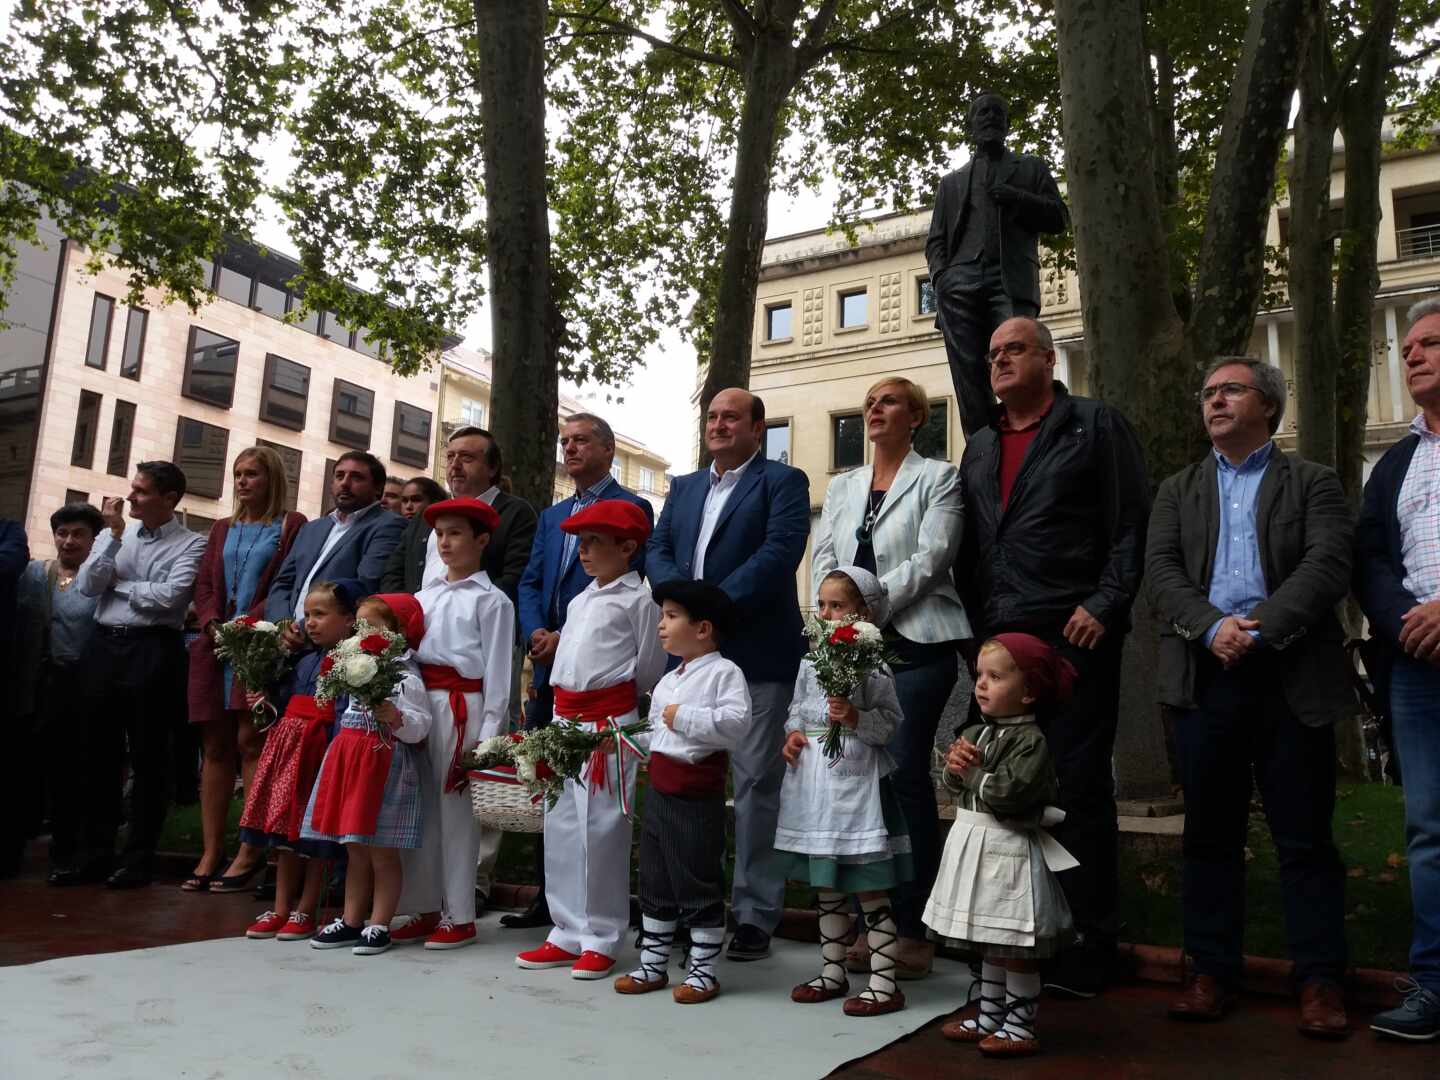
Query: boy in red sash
{"x":465,"y":659}
{"x":608,"y":655}
{"x":698,"y":712}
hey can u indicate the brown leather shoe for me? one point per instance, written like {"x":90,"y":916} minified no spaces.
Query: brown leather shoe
{"x":998,"y":1045}
{"x":628,"y":984}
{"x":874,"y":1006}
{"x":1322,"y":1011}
{"x":1204,"y":999}
{"x":963,"y":1031}
{"x":685,"y":994}
{"x":805,"y":994}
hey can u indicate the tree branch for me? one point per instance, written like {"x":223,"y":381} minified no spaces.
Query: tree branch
{"x":1399,"y":59}
{"x":1346,"y":71}
{"x":740,"y":18}
{"x":619,"y":27}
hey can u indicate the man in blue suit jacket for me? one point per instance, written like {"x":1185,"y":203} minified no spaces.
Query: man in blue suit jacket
{"x":554,"y":577}
{"x":352,"y":541}
{"x":742,"y":524}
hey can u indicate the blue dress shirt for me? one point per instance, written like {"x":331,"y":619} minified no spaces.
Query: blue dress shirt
{"x":1237,"y":582}
{"x":581,"y":500}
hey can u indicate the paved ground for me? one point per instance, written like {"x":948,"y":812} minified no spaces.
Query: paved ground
{"x":1122,"y":1034}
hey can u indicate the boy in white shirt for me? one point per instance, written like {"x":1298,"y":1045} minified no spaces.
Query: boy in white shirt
{"x":697,"y":713}
{"x":608,"y":656}
{"x":465,"y":659}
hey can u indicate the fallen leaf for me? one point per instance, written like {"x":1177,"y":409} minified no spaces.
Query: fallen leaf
{"x":1355,"y":872}
{"x":1395,"y":859}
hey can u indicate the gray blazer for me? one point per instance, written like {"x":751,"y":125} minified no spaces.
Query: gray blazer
{"x":1305,"y":531}
{"x":916,"y":535}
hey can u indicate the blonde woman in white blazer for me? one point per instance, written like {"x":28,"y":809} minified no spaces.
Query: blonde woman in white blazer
{"x":901,"y":518}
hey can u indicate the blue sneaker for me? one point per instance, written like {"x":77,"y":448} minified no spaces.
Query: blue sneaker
{"x":1417,"y":1018}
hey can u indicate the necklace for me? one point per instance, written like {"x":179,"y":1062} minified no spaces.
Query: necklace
{"x":242,"y":558}
{"x":64,"y":580}
{"x":867,"y":529}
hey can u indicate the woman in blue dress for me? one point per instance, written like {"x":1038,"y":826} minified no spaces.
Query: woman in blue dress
{"x":243,"y":554}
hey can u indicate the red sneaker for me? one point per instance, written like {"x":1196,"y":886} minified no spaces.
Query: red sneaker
{"x":266,"y":926}
{"x":450,"y":935}
{"x":418,"y":928}
{"x":592,"y":965}
{"x":546,"y":956}
{"x":301,"y":927}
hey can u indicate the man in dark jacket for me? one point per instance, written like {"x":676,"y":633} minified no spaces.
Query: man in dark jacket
{"x":1249,"y":553}
{"x":984,"y":249}
{"x":1397,"y":581}
{"x":1056,"y":501}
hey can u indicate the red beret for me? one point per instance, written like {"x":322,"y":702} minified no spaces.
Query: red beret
{"x":1048,"y":675}
{"x":614,"y":517}
{"x":473,"y":509}
{"x":408,"y":614}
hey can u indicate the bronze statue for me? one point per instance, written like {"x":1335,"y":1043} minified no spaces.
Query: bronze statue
{"x":983,"y":250}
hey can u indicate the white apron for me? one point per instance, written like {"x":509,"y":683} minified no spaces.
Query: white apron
{"x":996,"y":882}
{"x":832,"y":809}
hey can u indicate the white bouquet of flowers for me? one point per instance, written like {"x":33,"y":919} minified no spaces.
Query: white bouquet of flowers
{"x":365,"y":667}
{"x":844,"y":652}
{"x":251,"y":647}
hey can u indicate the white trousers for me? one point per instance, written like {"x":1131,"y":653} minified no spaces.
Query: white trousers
{"x":587,"y":862}
{"x":440,"y":874}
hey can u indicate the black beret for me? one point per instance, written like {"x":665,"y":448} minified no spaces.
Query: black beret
{"x":701,"y":600}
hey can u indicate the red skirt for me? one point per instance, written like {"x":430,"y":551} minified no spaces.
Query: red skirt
{"x":294,"y":750}
{"x":352,"y":784}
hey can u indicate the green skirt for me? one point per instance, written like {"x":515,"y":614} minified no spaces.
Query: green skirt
{"x":843,"y":875}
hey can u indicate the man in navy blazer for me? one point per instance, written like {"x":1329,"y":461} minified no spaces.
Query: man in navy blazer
{"x":742,"y":524}
{"x":352,"y":541}
{"x":554,"y":577}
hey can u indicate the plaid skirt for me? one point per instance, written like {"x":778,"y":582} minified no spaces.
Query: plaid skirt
{"x":358,"y":799}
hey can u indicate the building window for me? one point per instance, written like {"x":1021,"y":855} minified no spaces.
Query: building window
{"x":87,"y":422}
{"x":617,"y":471}
{"x":200,"y":452}
{"x":925,"y":297}
{"x":122,"y":430}
{"x":777,"y":442}
{"x":269,"y":300}
{"x":210,"y":368}
{"x":99,"y":343}
{"x":410,"y":440}
{"x":327,"y":491}
{"x":135,"y":325}
{"x":292,"y":459}
{"x":847,"y":441}
{"x":932,"y":438}
{"x":207,"y":273}
{"x":777,"y":321}
{"x":309,"y":322}
{"x":74,"y":496}
{"x":472,"y":413}
{"x":364,"y":344}
{"x":854,"y":308}
{"x":235,"y":286}
{"x":196,"y":523}
{"x":285,"y":392}
{"x":334,"y":329}
{"x":647,"y":479}
{"x":351,"y":410}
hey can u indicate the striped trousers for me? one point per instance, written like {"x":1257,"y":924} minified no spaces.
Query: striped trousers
{"x":682,"y":858}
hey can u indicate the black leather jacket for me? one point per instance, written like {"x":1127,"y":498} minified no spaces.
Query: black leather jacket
{"x":1073,"y":533}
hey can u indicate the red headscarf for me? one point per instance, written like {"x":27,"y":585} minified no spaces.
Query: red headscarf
{"x":408,"y":614}
{"x":1048,"y":675}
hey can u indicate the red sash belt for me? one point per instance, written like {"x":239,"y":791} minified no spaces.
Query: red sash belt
{"x":305,"y":707}
{"x":675,"y":776}
{"x":589,"y":706}
{"x":441,"y":677}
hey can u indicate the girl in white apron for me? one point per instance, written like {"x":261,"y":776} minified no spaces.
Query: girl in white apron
{"x":841,"y":828}
{"x":996,"y":892}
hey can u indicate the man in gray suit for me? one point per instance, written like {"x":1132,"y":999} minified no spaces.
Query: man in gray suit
{"x":1249,"y":552}
{"x":984,"y":250}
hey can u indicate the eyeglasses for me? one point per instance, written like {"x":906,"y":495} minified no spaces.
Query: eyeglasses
{"x":1228,"y":389}
{"x":1011,"y":349}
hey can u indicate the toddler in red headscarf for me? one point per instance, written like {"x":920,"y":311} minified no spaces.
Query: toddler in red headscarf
{"x":996,"y":891}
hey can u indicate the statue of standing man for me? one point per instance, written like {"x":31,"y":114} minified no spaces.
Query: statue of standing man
{"x":984,"y":250}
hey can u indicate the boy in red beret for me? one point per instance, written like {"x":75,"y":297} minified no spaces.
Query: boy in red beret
{"x":608,"y":656}
{"x":465,"y":659}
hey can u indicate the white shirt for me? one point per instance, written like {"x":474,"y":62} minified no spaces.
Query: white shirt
{"x":410,"y":699}
{"x":343,"y":523}
{"x":713,"y":713}
{"x":434,"y":568}
{"x":470,"y":626}
{"x":1418,"y":509}
{"x":145,"y":578}
{"x":610,"y":638}
{"x":722,"y":486}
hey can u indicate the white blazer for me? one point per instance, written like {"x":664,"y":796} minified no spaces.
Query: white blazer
{"x":916,"y":536}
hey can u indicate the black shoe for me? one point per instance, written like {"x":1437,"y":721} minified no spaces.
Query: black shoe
{"x":89,"y":874}
{"x":374,"y":940}
{"x":337,"y":935}
{"x":537,"y":914}
{"x":749,"y":943}
{"x":129,"y":877}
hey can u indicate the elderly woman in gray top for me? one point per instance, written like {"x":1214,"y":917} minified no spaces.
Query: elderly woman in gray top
{"x":900,"y":517}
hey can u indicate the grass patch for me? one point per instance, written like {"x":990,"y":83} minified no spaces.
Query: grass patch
{"x":1370,"y":833}
{"x":182,"y":829}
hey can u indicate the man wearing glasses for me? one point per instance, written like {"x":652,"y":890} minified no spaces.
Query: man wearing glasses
{"x":1249,"y":553}
{"x":1056,"y":501}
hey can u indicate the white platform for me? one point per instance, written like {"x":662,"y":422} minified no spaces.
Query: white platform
{"x":227,"y":1009}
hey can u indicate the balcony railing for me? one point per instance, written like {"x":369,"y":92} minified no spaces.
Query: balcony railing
{"x":1421,"y":243}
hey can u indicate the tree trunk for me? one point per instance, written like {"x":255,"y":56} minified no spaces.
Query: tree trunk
{"x":1357,"y":277}
{"x":525,"y":388}
{"x":770,"y":73}
{"x":1312,"y":252}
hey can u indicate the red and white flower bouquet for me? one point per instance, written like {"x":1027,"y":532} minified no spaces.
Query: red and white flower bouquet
{"x":366,"y":667}
{"x":844,"y":653}
{"x":251,"y":647}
